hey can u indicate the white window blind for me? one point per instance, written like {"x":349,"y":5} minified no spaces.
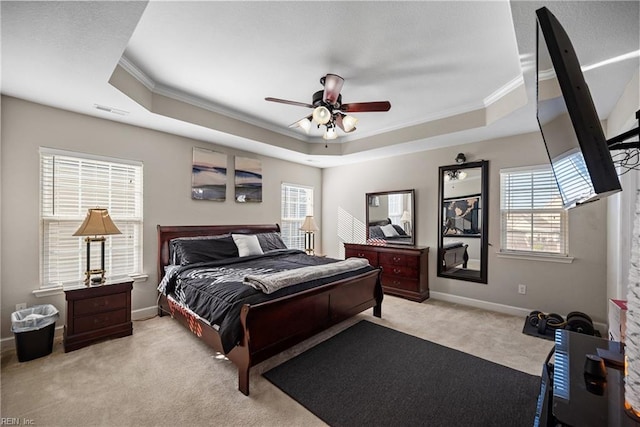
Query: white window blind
{"x":532,"y":216}
{"x":395,"y":207}
{"x":296,"y":204}
{"x":72,"y":183}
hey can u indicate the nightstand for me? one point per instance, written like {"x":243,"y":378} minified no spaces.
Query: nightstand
{"x":97,"y":313}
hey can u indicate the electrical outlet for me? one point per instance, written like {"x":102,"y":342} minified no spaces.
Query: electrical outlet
{"x":21,"y":306}
{"x":522,"y":289}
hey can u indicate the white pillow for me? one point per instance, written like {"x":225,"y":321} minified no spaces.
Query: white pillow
{"x":388,"y":230}
{"x":247,"y":244}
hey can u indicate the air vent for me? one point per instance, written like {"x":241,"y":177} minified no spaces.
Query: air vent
{"x":110,"y":110}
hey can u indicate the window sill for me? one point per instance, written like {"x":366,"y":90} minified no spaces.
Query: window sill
{"x":57,"y":290}
{"x":536,"y":257}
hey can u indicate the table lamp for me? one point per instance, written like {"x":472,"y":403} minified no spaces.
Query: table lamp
{"x":98,"y":224}
{"x":309,"y":226}
{"x":406,"y":221}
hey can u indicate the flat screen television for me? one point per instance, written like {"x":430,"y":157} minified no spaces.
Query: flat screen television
{"x":568,"y":120}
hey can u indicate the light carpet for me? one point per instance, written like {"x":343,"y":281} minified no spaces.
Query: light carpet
{"x":163,"y":375}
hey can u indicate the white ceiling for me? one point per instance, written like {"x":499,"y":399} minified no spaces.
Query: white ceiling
{"x":455,"y":72}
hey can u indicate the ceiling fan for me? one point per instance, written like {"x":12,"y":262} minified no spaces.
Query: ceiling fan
{"x":328,"y":109}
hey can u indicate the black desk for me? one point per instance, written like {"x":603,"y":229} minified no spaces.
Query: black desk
{"x":567,"y":398}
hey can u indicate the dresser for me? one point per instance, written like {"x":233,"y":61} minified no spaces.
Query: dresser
{"x":405,"y":269}
{"x":97,"y":313}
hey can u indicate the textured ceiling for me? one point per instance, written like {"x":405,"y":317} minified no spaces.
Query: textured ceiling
{"x":454,"y":72}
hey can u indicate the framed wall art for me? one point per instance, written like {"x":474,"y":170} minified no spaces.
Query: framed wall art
{"x":208,"y":175}
{"x":248,"y":182}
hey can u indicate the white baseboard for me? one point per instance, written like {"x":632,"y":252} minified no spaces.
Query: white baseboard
{"x":491,"y":306}
{"x":144,"y":313}
{"x":500,"y":308}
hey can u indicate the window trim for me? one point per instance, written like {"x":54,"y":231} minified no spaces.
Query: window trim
{"x":563,"y":257}
{"x":46,"y":289}
{"x":310,"y":206}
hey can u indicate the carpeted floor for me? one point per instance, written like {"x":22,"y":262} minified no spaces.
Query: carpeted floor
{"x":164,"y":376}
{"x":376,"y":376}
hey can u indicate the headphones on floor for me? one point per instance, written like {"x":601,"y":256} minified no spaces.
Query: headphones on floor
{"x":576,"y":321}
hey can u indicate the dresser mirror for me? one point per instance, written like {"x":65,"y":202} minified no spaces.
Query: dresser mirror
{"x":390,"y":217}
{"x":462,"y":221}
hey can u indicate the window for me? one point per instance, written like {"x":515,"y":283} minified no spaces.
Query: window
{"x":532,"y":217}
{"x":395,"y":208}
{"x":297,"y":203}
{"x":72,"y":183}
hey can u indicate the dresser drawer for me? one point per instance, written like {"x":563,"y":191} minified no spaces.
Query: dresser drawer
{"x":371,"y":256}
{"x":398,"y":259}
{"x":398,"y":282}
{"x":100,"y":304}
{"x":99,"y":321}
{"x":399,"y":270}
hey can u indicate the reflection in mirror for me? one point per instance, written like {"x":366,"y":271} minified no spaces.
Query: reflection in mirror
{"x":390,"y":217}
{"x":463,"y":244}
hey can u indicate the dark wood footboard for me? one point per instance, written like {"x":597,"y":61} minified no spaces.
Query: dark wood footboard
{"x":273,"y":326}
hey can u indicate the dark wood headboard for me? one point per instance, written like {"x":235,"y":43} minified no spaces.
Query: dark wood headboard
{"x":168,"y":232}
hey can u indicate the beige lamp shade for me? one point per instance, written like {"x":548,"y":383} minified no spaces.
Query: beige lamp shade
{"x":406,"y":217}
{"x":309,"y":224}
{"x":97,"y":223}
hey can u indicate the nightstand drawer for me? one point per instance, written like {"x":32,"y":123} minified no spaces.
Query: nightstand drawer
{"x":99,"y":321}
{"x":398,"y":259}
{"x":100,"y":304}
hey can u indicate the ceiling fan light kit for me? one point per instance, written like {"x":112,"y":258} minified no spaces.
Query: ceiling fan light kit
{"x":328,"y":109}
{"x":321,"y":115}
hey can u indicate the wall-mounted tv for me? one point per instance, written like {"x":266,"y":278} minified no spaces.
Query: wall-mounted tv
{"x":568,"y":120}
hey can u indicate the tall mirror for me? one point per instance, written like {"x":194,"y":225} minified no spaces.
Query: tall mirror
{"x":390,"y":216}
{"x":463,"y":220}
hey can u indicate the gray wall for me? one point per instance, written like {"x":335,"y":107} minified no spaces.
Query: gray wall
{"x":167,"y":191}
{"x":551,"y":287}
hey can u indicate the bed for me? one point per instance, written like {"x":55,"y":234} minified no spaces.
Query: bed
{"x":454,"y":254}
{"x":254,"y":325}
{"x":391,"y":233}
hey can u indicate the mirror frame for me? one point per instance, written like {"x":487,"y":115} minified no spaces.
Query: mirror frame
{"x":484,"y":205}
{"x":413,"y":213}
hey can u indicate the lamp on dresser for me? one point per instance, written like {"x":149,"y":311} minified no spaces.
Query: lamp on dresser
{"x":95,"y":226}
{"x":309,"y":227}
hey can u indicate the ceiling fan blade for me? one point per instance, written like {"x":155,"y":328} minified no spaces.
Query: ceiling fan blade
{"x":332,"y":87}
{"x":362,"y":107}
{"x":285,"y":101}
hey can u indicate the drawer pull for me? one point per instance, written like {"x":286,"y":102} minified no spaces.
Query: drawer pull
{"x":360,"y":255}
{"x":104,"y":303}
{"x":396,"y":270}
{"x":396,"y":258}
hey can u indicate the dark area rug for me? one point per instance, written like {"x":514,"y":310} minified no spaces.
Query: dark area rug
{"x":373,"y":375}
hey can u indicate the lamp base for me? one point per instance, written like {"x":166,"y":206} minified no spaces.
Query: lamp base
{"x":96,"y":281}
{"x":94,"y":277}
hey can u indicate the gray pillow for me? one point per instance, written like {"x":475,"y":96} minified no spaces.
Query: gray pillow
{"x":271,"y":241}
{"x":190,"y":250}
